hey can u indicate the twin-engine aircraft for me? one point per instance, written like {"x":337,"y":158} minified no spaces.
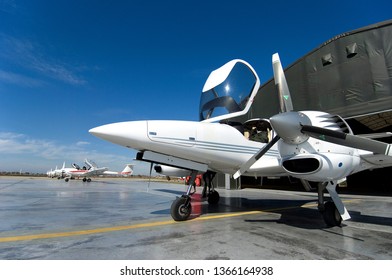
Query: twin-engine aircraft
{"x":92,"y":170}
{"x":309,"y":145}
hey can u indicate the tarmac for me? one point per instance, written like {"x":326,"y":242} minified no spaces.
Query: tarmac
{"x":129,"y":219}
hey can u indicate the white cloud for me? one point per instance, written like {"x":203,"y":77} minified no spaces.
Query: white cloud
{"x":29,"y":56}
{"x":17,"y":79}
{"x":21,"y":151}
{"x":82,"y":143}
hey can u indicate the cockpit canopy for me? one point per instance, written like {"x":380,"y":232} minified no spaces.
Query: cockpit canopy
{"x":228,"y":91}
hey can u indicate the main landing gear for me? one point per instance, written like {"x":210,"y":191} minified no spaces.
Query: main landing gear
{"x":181,"y":208}
{"x":84,"y":179}
{"x":333,"y":211}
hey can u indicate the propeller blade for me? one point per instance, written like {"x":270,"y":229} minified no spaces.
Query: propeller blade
{"x":286,"y":104}
{"x":347,"y":140}
{"x":245,"y":167}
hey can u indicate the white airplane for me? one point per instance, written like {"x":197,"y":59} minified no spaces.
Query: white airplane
{"x":51,"y":173}
{"x":94,"y":170}
{"x":309,"y":145}
{"x":127,"y":171}
{"x":59,"y":172}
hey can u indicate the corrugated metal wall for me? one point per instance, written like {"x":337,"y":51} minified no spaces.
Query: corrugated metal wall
{"x":349,"y":75}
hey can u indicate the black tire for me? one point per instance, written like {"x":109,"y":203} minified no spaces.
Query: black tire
{"x":89,"y":180}
{"x":181,"y":209}
{"x":213,"y":197}
{"x":66,"y":179}
{"x":331,"y":214}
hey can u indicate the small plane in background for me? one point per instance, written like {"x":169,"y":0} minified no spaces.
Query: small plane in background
{"x":51,"y":173}
{"x":92,"y":170}
{"x":59,"y":173}
{"x":310,"y":145}
{"x":86,"y":172}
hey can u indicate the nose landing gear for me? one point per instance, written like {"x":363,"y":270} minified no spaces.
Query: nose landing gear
{"x":181,"y":207}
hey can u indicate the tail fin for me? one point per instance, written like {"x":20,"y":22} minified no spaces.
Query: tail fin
{"x":127,"y":170}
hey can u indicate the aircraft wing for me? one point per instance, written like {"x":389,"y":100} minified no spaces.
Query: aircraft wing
{"x":377,"y":160}
{"x":89,"y":173}
{"x":98,"y":171}
{"x":267,"y":166}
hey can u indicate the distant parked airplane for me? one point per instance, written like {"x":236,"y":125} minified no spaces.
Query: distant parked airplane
{"x":94,"y":170}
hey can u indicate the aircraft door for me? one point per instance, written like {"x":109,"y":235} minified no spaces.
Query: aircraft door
{"x":172,"y":132}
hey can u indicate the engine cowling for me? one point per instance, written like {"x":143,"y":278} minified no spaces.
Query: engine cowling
{"x":171,"y":171}
{"x":319,"y":167}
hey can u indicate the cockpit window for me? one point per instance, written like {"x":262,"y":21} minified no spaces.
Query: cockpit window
{"x":231,"y":95}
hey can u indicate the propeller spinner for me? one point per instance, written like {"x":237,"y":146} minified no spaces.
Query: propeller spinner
{"x":288,"y":126}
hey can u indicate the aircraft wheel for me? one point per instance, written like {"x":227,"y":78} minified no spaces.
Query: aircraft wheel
{"x":181,"y":208}
{"x":89,"y":180}
{"x":84,"y":179}
{"x":66,"y":179}
{"x":213,"y":197}
{"x":331,"y":214}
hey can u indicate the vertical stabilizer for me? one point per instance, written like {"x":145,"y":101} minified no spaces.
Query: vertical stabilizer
{"x":127,"y":170}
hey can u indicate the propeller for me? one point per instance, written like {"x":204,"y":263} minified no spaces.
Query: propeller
{"x":255,"y":157}
{"x":348,"y":140}
{"x":296,"y":127}
{"x":286,"y":105}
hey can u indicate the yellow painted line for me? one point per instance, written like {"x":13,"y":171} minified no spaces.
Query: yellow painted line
{"x":146,"y":225}
{"x":83,"y":232}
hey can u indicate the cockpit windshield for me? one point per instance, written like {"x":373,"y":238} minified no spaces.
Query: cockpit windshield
{"x":228,"y":90}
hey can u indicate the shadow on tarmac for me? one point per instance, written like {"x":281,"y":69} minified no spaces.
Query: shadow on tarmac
{"x":292,"y":212}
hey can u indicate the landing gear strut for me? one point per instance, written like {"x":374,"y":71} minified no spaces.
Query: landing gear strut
{"x":213,"y":195}
{"x":333,"y":211}
{"x":181,"y":208}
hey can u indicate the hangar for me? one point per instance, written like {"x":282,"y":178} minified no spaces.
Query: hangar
{"x":349,"y":75}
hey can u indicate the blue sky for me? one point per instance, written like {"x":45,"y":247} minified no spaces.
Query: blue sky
{"x":68,"y":66}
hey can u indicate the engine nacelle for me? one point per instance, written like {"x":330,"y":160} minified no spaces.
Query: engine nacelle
{"x":171,"y":171}
{"x":321,"y":167}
